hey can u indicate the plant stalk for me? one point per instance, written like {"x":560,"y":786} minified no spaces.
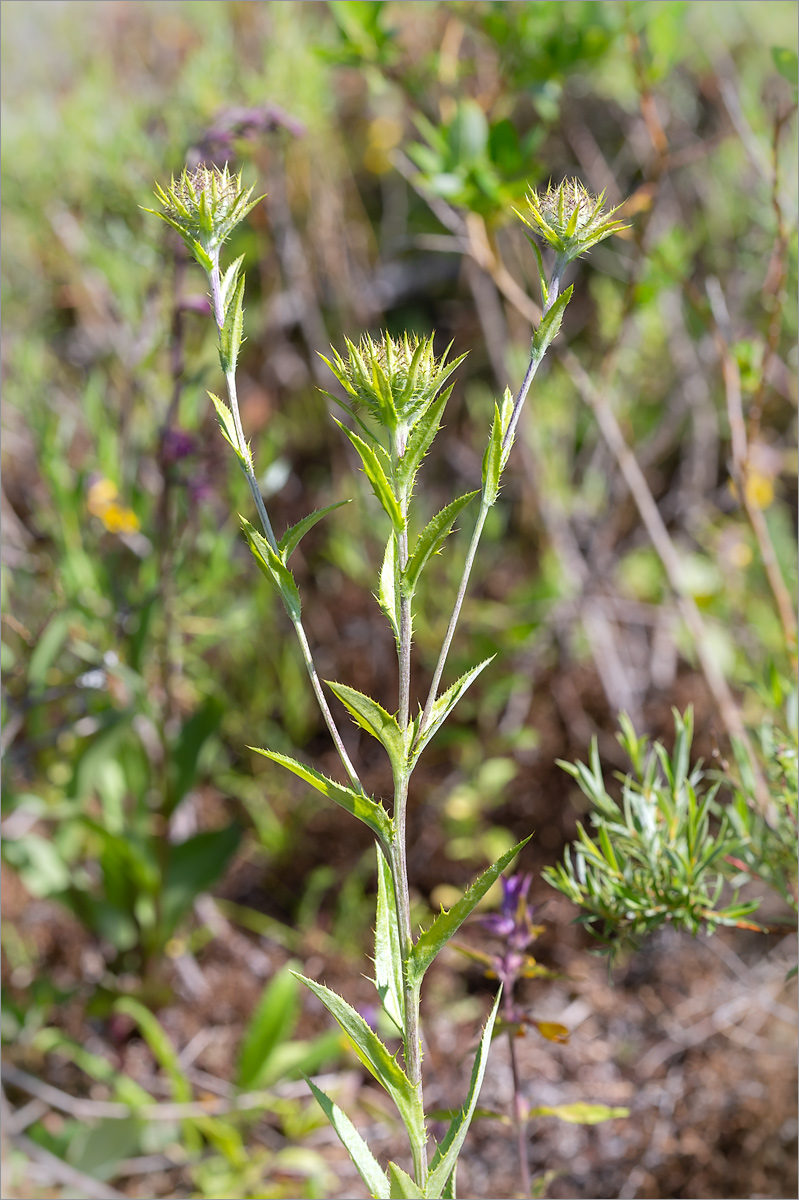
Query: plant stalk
{"x":316,"y":684}
{"x":553,"y":291}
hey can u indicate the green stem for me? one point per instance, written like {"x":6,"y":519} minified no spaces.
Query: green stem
{"x":535,"y":361}
{"x":412,"y":1039}
{"x":249,"y":471}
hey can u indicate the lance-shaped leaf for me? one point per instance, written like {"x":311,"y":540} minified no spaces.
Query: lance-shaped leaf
{"x":425,"y":429}
{"x":388,"y":956}
{"x":375,"y":473}
{"x":445,"y":704}
{"x":446,"y":1156}
{"x":388,"y":594}
{"x":371,"y":1051}
{"x":493,"y":460}
{"x":366,"y":810}
{"x":372,"y":717}
{"x":367,"y":1165}
{"x":449,"y":1187}
{"x":274,"y":568}
{"x":295,"y":533}
{"x":402,"y":1186}
{"x":431,"y":940}
{"x":231,"y":333}
{"x":551,"y":322}
{"x":229,"y":282}
{"x":430,"y":541}
{"x":227,"y":425}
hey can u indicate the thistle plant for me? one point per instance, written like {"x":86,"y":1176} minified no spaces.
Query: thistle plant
{"x":395,"y":395}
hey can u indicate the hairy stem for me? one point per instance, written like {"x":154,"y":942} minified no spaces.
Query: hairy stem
{"x":411,"y":1037}
{"x":249,"y":471}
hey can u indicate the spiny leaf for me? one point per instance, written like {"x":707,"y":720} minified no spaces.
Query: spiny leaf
{"x":445,"y":704}
{"x":430,"y":541}
{"x":227,"y":425}
{"x":388,"y":595}
{"x":371,"y":1051}
{"x":230,"y":335}
{"x":372,"y":717}
{"x":431,"y":940}
{"x":366,"y":810}
{"x":367,"y":1165}
{"x":229,"y":282}
{"x":388,"y":957}
{"x":492,"y":460}
{"x":375,"y":473}
{"x":425,"y":429}
{"x":294,"y":535}
{"x":446,"y":1156}
{"x":273,"y":568}
{"x":551,"y":322}
{"x":402,"y":1186}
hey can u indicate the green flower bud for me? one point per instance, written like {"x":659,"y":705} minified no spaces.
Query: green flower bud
{"x":394,"y":379}
{"x":570,"y":218}
{"x":204,"y":206}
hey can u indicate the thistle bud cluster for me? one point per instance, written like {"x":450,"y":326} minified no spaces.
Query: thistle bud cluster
{"x":569,"y":218}
{"x":394,"y":379}
{"x":205,"y":206}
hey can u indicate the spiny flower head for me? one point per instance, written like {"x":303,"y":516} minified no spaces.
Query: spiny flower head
{"x":570,"y":218}
{"x":395,"y":379}
{"x":204,"y":206}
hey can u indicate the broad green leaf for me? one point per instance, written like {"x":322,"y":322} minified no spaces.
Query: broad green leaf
{"x":366,"y":810}
{"x":388,"y":956}
{"x":371,"y":1051}
{"x":367,"y":1165}
{"x":421,"y":438}
{"x":580,"y":1113}
{"x":372,"y":717}
{"x":226,"y":424}
{"x":375,"y":473}
{"x":446,"y":1156}
{"x":295,"y":533}
{"x":430,"y":541}
{"x":402,"y":1186}
{"x":271,"y":1024}
{"x":193,"y":866}
{"x":186,"y":752}
{"x":551,"y":322}
{"x":445,"y":704}
{"x":231,"y":333}
{"x":492,"y":460}
{"x":273,"y":568}
{"x":229,"y":282}
{"x":388,"y":596}
{"x":786,"y":62}
{"x":449,"y":1192}
{"x":431,"y":940}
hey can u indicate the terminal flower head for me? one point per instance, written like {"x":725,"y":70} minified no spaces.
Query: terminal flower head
{"x":395,"y":379}
{"x":570,"y":218}
{"x":204,"y":206}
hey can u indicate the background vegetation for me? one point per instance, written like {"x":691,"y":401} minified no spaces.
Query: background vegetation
{"x":141,"y":654}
